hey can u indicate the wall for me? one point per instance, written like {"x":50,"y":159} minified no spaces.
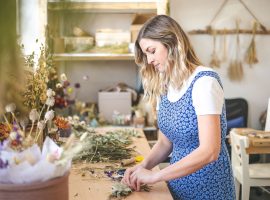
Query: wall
{"x":32,"y":18}
{"x":194,"y":14}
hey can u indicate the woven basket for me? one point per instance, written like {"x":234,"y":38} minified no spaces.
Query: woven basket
{"x":54,"y":189}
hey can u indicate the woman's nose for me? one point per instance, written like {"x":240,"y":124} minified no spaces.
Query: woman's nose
{"x":150,"y":59}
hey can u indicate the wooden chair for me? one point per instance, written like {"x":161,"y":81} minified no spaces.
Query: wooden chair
{"x":245,"y":174}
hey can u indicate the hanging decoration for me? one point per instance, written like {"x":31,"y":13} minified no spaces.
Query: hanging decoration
{"x":215,"y":62}
{"x":251,"y":54}
{"x":235,"y":70}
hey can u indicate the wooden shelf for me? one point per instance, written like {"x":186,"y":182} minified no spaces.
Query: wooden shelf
{"x":109,"y":6}
{"x":91,"y":56}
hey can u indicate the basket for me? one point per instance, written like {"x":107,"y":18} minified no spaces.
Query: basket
{"x":54,"y":189}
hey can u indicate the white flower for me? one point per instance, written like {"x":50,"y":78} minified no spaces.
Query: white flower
{"x":50,"y":93}
{"x":50,"y":101}
{"x":33,"y":116}
{"x":63,"y":77}
{"x":49,"y":115}
{"x":59,"y":85}
{"x":69,"y":118}
{"x":41,"y":125}
{"x":76,"y":118}
{"x":82,"y":123}
{"x":10,"y":107}
{"x":13,"y":135}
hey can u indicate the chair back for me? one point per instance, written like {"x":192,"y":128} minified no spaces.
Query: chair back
{"x":267,"y":121}
{"x":240,"y":159}
{"x":236,"y":113}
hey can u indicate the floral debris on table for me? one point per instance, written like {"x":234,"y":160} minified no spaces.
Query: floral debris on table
{"x":120,"y":191}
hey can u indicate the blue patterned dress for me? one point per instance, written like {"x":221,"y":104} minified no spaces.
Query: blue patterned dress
{"x":178,"y":121}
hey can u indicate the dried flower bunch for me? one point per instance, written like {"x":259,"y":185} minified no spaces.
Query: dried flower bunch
{"x":14,"y":132}
{"x":120,"y":191}
{"x":36,"y":86}
{"x":215,"y":61}
{"x":19,"y":149}
{"x":251,"y":54}
{"x":111,"y":146}
{"x":66,"y":94}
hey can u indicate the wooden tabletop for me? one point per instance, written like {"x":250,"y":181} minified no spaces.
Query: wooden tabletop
{"x":259,"y":141}
{"x":84,"y":184}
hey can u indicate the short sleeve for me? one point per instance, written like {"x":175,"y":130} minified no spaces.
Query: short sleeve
{"x":207,"y":96}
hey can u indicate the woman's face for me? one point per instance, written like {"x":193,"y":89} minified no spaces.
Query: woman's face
{"x":155,"y":52}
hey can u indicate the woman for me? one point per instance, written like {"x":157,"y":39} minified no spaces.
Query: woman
{"x":191,"y":116}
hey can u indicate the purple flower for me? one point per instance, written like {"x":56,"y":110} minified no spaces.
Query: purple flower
{"x":3,"y":145}
{"x":3,"y":164}
{"x":77,"y":85}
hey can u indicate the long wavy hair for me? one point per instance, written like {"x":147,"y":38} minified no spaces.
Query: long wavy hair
{"x":181,"y":61}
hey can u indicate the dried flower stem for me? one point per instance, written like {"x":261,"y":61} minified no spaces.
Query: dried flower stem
{"x":39,"y":132}
{"x":94,"y":153}
{"x":32,"y":126}
{"x":7,"y":121}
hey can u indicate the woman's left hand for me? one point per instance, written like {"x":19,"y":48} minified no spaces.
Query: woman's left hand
{"x":142,"y":176}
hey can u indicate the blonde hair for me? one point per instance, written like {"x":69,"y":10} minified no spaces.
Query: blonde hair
{"x":181,"y":62}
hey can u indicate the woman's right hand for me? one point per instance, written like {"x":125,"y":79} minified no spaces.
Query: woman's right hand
{"x":126,"y":179}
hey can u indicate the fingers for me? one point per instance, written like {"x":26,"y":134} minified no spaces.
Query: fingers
{"x":126,"y":177}
{"x":138,"y":185}
{"x":133,"y":179}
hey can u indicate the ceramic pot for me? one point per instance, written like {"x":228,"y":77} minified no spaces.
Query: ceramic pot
{"x":54,"y":189}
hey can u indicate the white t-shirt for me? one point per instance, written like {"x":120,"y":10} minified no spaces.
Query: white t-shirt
{"x":207,"y":94}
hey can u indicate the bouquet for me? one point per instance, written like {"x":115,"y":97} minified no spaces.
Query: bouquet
{"x":21,"y":158}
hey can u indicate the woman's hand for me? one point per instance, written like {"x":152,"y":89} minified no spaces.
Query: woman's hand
{"x":127,"y":179}
{"x":142,"y":176}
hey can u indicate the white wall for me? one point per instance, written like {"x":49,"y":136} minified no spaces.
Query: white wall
{"x":32,"y":25}
{"x":196,"y":14}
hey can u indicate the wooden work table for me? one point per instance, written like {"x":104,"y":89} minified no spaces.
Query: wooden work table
{"x":98,"y":187}
{"x":259,"y":141}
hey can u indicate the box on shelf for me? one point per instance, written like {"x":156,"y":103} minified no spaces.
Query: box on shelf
{"x":58,"y":45}
{"x":110,"y":102}
{"x":78,"y":43}
{"x":137,"y":24}
{"x":105,"y":37}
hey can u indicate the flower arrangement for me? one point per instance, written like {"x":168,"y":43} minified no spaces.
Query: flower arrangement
{"x":37,"y":81}
{"x":21,"y":157}
{"x":66,"y":94}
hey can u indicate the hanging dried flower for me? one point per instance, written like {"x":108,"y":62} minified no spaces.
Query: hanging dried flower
{"x":235,"y":70}
{"x":215,"y":62}
{"x":251,"y":54}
